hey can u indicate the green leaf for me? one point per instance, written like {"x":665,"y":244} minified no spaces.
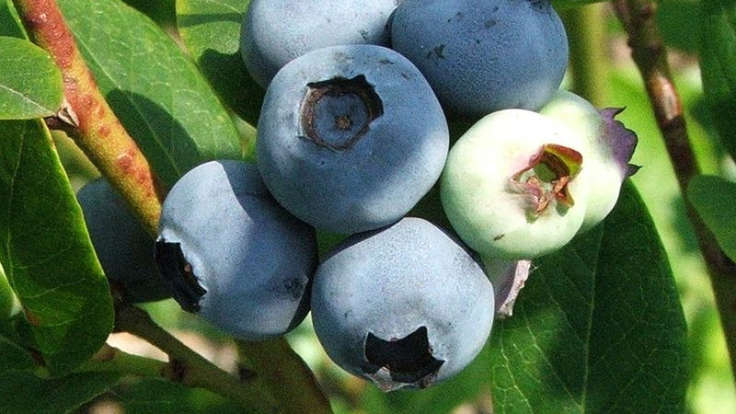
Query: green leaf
{"x":153,"y":87}
{"x":46,"y":251}
{"x":30,"y":82}
{"x":671,"y":17}
{"x":10,"y":24}
{"x":6,"y":295}
{"x":13,"y":357}
{"x":718,"y":66}
{"x":160,"y":11}
{"x":598,"y":327}
{"x":24,"y":393}
{"x":14,"y":352}
{"x":211,"y":31}
{"x":162,"y":397}
{"x":713,"y":198}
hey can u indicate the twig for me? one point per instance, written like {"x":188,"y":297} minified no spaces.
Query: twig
{"x":285,"y":371}
{"x":109,"y":358}
{"x":650,"y":56}
{"x":585,"y":32}
{"x":189,"y":368}
{"x":87,"y":116}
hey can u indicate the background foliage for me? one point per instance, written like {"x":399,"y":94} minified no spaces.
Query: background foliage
{"x":600,"y":326}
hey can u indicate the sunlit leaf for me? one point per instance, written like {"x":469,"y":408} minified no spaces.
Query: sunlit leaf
{"x":154,"y":88}
{"x":30,"y":82}
{"x":211,"y":31}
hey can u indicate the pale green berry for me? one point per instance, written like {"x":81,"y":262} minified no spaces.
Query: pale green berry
{"x":607,"y":149}
{"x":514,"y":185}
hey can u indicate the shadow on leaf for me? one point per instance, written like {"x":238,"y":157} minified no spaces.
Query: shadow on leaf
{"x":168,"y":146}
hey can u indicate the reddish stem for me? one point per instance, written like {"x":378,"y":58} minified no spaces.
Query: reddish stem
{"x":87,"y":116}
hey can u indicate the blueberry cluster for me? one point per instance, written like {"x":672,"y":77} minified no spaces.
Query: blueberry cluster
{"x":351,"y":135}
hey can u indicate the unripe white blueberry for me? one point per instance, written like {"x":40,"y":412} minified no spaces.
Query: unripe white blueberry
{"x":512,"y":186}
{"x":607,"y":147}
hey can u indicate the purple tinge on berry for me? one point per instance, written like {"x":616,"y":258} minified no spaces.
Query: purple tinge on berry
{"x":620,"y":139}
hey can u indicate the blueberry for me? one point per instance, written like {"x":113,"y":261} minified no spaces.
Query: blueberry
{"x":276,"y":31}
{"x":610,"y":148}
{"x":234,"y":256}
{"x":350,"y":137}
{"x":404,"y":306}
{"x":516,"y":185}
{"x":483,"y":56}
{"x":123,"y":247}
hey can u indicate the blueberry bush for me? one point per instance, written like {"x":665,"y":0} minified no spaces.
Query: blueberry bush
{"x":399,"y":206}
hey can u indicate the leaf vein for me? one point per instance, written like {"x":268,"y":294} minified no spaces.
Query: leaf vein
{"x":25,"y":98}
{"x":589,"y":322}
{"x":546,"y":360}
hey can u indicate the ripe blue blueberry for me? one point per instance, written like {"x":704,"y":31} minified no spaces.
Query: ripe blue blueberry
{"x":277,"y":31}
{"x":483,"y":56}
{"x":404,"y":306}
{"x":124,"y":249}
{"x":350,"y":137}
{"x":232,"y":254}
